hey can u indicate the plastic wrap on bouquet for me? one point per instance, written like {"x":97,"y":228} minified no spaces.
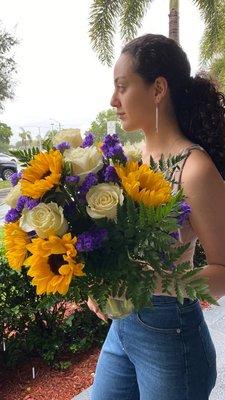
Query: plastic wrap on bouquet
{"x":118,"y":307}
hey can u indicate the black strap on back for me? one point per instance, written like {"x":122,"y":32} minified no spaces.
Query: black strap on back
{"x":187,"y":151}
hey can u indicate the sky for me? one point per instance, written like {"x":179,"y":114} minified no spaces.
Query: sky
{"x":59,"y":80}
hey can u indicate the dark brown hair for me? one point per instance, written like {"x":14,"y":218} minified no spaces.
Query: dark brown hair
{"x":199,"y":105}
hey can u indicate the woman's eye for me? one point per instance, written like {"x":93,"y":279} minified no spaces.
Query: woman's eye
{"x":121,"y":88}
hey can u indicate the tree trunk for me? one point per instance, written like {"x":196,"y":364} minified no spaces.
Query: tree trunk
{"x":174,"y":20}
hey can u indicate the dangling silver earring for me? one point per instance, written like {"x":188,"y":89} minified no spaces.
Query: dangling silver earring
{"x":157,"y":119}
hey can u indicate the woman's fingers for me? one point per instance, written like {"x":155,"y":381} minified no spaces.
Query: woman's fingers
{"x":93,"y":306}
{"x":102,"y":316}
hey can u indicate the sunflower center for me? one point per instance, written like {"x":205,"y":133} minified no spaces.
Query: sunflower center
{"x":47,"y":173}
{"x":55,"y":262}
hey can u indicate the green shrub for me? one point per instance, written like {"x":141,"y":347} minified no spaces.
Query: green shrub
{"x":41,"y":325}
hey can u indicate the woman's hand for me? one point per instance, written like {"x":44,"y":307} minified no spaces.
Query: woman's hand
{"x":93,"y":306}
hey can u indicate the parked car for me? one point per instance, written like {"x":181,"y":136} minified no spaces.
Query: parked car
{"x":8,"y":166}
{"x":4,"y":155}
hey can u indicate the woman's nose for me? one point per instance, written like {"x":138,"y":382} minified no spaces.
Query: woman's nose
{"x":114,"y":101}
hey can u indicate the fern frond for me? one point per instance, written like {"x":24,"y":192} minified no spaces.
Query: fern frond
{"x":24,"y":156}
{"x":47,"y":144}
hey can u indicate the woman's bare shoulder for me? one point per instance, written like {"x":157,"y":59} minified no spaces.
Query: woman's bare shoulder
{"x":199,"y":170}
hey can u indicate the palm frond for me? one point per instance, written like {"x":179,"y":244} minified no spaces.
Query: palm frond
{"x":217,"y":69}
{"x":131,"y":16}
{"x":102,"y":21}
{"x":209,"y":48}
{"x":206,"y":50}
{"x":212,"y":50}
{"x":211,"y":11}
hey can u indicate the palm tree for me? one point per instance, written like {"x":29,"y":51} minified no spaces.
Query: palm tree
{"x":105,"y":14}
{"x":213,"y":52}
{"x":29,"y":137}
{"x":25,"y":135}
{"x":174,"y":20}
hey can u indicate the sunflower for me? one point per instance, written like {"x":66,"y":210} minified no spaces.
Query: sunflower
{"x":52,"y":263}
{"x":15,"y":241}
{"x":43,"y":172}
{"x":143,"y":184}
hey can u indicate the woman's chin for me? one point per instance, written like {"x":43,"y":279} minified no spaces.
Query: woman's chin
{"x":127,"y":127}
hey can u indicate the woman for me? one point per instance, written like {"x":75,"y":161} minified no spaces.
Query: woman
{"x":167,"y":353}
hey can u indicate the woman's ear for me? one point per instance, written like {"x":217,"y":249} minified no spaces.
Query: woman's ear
{"x":161,"y":88}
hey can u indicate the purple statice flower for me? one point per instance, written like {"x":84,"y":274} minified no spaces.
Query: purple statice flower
{"x":90,"y":180}
{"x":88,"y":140}
{"x":184,"y":213}
{"x":101,"y":173}
{"x":164,"y":259}
{"x":110,"y":174}
{"x":21,"y":202}
{"x":111,"y":140}
{"x":85,"y":242}
{"x":31,"y":203}
{"x":63,"y":146}
{"x":14,"y":178}
{"x":112,"y":148}
{"x":172,"y":267}
{"x":91,"y":240}
{"x":25,"y":201}
{"x":175,"y":235}
{"x":12,"y":215}
{"x":72,"y":179}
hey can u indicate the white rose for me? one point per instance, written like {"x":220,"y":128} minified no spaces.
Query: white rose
{"x":72,"y":136}
{"x":45,"y":219}
{"x":84,"y":160}
{"x":103,"y":199}
{"x":13,"y":196}
{"x":133,"y":152}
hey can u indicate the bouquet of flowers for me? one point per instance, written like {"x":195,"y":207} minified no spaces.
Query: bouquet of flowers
{"x":95,"y":221}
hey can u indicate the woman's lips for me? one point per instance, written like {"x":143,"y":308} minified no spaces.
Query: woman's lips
{"x":121,"y":115}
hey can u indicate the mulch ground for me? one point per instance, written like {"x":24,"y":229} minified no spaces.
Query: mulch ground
{"x":49,"y":384}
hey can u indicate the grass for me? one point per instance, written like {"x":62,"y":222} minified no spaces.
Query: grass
{"x":5,"y":184}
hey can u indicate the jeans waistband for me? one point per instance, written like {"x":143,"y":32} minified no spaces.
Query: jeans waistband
{"x":161,"y":299}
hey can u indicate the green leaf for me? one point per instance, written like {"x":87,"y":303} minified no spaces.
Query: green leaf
{"x":153,"y":164}
{"x":102,"y":22}
{"x":24,"y":156}
{"x":131,"y":16}
{"x":47,"y":144}
{"x":180,"y":294}
{"x":191,"y":292}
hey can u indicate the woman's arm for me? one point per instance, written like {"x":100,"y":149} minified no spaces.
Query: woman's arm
{"x":205,"y":192}
{"x":215,"y":275}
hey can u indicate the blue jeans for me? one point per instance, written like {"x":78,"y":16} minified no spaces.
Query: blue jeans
{"x":165,"y":353}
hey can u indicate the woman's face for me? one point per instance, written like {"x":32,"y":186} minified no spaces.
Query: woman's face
{"x":133,"y":98}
